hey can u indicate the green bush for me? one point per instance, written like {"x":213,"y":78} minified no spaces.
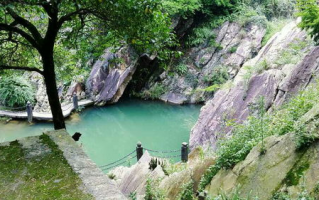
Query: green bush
{"x":181,"y":69}
{"x":187,"y":192}
{"x":154,"y":92}
{"x":218,"y":76}
{"x":152,"y":192}
{"x":16,"y":92}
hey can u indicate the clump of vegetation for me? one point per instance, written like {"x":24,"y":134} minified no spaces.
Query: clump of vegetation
{"x":154,"y":92}
{"x":257,"y":127}
{"x":152,"y":192}
{"x":293,"y":53}
{"x":132,"y":196}
{"x":309,"y":12}
{"x":261,"y":66}
{"x":181,"y":69}
{"x":183,"y":8}
{"x":111,"y":176}
{"x":218,"y":77}
{"x":233,"y":49}
{"x":157,"y":162}
{"x":187,"y":192}
{"x":16,"y":92}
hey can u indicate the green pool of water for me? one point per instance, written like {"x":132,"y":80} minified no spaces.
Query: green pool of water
{"x":109,"y":133}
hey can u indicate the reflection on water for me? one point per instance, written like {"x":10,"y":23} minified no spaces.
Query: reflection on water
{"x":113,"y":131}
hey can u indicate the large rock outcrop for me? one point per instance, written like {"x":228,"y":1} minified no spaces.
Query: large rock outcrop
{"x":233,"y":45}
{"x":273,"y":74}
{"x":110,"y":75}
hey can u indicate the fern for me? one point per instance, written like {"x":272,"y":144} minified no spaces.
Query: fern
{"x":15,"y":92}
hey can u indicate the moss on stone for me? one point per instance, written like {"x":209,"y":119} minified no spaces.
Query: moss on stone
{"x":296,"y":173}
{"x":44,"y":176}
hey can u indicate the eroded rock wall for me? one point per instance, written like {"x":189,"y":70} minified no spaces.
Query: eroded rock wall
{"x":233,"y":45}
{"x":276,"y":73}
{"x":110,"y":75}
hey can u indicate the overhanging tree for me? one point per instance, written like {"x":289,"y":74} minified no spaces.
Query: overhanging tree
{"x":31,"y":29}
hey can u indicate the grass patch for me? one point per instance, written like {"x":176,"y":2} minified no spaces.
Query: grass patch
{"x":47,"y":176}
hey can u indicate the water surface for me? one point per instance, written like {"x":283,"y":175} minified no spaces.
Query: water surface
{"x":111,"y":132}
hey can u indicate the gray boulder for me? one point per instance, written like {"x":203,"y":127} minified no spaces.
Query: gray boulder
{"x":110,"y":75}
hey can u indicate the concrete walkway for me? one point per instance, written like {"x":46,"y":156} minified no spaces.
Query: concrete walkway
{"x":96,"y":182}
{"x":67,"y":110}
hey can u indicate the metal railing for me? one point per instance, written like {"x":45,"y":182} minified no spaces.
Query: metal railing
{"x":139,"y":151}
{"x":29,"y":108}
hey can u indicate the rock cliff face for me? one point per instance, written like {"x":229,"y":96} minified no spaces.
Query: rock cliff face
{"x":110,"y":75}
{"x":278,"y":171}
{"x":234,"y":44}
{"x":282,"y":67}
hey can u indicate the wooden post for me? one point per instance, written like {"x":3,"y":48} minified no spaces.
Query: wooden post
{"x":29,"y":112}
{"x":75,"y":101}
{"x":184,"y":152}
{"x":139,"y":151}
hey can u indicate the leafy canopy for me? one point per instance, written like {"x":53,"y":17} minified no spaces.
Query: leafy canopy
{"x":309,"y":11}
{"x":87,"y":28}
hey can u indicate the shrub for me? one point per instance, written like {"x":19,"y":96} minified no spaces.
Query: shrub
{"x":181,"y":69}
{"x":16,"y":92}
{"x":154,"y":92}
{"x":233,"y":49}
{"x":152,"y":192}
{"x":218,"y":76}
{"x":187,"y":192}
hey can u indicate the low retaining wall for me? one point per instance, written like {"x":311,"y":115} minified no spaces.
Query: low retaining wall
{"x":96,"y":182}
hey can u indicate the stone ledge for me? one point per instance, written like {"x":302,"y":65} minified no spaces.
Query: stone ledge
{"x":95,"y":181}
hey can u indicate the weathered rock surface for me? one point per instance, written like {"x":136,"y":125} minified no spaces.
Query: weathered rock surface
{"x":260,"y":76}
{"x":193,"y":171}
{"x":278,"y":170}
{"x":133,"y":179}
{"x":110,"y":75}
{"x":234,"y":45}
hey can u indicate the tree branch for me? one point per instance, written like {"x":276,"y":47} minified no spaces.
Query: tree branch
{"x":28,"y":25}
{"x":2,"y":67}
{"x":69,"y":16}
{"x":29,"y":38}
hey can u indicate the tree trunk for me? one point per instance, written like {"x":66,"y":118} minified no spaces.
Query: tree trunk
{"x":52,"y":92}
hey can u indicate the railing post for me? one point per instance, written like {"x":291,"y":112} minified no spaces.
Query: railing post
{"x":75,"y":101}
{"x":202,"y":195}
{"x":184,"y":154}
{"x":139,"y":151}
{"x":29,"y":112}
